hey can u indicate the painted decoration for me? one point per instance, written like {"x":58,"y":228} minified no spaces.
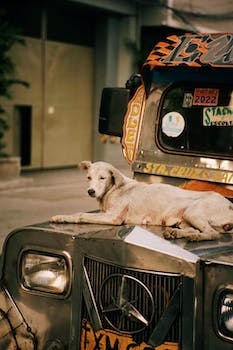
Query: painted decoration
{"x":108,"y":340}
{"x":206,"y":174}
{"x":132,"y":124}
{"x":194,"y":50}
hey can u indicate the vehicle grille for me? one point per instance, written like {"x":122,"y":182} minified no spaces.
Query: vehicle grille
{"x":160,"y":285}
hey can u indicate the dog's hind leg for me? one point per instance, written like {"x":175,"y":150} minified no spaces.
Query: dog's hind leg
{"x":174,"y":232}
{"x":190,"y":233}
{"x":196,"y":219}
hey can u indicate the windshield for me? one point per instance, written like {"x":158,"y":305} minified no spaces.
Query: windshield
{"x":197,"y":118}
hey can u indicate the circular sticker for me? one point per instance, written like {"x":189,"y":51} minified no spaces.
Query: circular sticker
{"x":173,"y":124}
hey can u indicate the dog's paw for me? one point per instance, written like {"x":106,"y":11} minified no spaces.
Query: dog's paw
{"x":170,"y":233}
{"x":195,"y":237}
{"x":64,"y":219}
{"x":58,"y":218}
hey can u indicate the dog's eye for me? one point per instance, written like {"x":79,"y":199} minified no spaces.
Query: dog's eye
{"x":89,"y":178}
{"x":102,"y":178}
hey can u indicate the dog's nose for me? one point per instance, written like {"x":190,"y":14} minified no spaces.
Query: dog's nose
{"x":91,"y":192}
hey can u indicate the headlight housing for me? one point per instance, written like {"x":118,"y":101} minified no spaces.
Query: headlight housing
{"x":225,"y":312}
{"x":44,"y":272}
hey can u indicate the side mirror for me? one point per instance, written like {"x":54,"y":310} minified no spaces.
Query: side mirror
{"x":113,"y":107}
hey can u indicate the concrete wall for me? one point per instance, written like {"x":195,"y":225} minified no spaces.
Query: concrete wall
{"x":67,"y":135}
{"x":61,"y":97}
{"x":28,"y":60}
{"x":66,"y":82}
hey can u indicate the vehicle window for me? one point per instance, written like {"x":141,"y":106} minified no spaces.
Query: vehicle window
{"x":197,"y":118}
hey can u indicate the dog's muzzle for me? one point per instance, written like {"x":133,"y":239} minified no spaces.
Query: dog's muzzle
{"x":91,"y":192}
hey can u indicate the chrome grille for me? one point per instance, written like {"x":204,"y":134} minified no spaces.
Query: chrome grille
{"x":161,"y":287}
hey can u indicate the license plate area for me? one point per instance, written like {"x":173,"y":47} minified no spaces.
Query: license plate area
{"x":111,"y":340}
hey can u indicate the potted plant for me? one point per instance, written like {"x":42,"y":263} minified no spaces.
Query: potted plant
{"x":9,"y":35}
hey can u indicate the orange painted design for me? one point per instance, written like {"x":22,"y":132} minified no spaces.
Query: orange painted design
{"x":162,"y":49}
{"x":106,"y":339}
{"x":132,"y":124}
{"x":196,"y":185}
{"x":191,"y":49}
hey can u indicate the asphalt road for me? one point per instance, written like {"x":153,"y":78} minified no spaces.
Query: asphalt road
{"x":43,"y":194}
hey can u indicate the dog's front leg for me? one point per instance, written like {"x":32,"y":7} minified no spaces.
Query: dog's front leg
{"x":72,"y":219}
{"x":106,"y":218}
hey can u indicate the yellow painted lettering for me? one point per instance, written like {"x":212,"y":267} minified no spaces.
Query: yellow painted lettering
{"x":162,"y":170}
{"x":188,"y":172}
{"x":196,"y":173}
{"x":148,"y":168}
{"x":132,"y":123}
{"x":173,"y":171}
{"x":230,"y":178}
{"x":205,"y":175}
{"x":225,"y":176}
{"x":135,"y":109}
{"x":218,"y":176}
{"x":155,"y":168}
{"x":151,"y":168}
{"x":139,"y":96}
{"x":181,"y":171}
{"x":130,"y":135}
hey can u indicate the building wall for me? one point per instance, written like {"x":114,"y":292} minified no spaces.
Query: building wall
{"x":67,"y":135}
{"x":28,"y":61}
{"x":60,"y":96}
{"x":72,"y":51}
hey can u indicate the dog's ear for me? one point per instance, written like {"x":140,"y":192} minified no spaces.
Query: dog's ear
{"x":117,"y":177}
{"x":85,"y":164}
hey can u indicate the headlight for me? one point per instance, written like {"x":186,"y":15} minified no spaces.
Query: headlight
{"x":45,"y":273}
{"x":225,"y":312}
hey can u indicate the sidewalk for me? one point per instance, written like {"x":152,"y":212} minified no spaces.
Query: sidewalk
{"x":43,"y":194}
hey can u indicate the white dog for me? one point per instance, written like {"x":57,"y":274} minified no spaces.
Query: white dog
{"x":191,"y":214}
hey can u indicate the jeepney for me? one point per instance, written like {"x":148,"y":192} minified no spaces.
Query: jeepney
{"x":100,"y":287}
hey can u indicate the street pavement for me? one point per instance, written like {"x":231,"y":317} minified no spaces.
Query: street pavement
{"x":42,"y":194}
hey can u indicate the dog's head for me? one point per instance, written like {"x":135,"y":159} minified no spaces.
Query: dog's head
{"x":101,"y":178}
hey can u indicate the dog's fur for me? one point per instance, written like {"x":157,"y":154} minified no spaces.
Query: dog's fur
{"x":191,"y":214}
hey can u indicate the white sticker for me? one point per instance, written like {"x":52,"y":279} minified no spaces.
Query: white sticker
{"x":218,"y":116}
{"x":173,"y":124}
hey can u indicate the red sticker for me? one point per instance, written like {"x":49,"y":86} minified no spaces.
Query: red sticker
{"x":205,"y":97}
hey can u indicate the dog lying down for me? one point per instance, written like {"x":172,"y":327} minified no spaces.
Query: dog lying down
{"x":191,"y":214}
